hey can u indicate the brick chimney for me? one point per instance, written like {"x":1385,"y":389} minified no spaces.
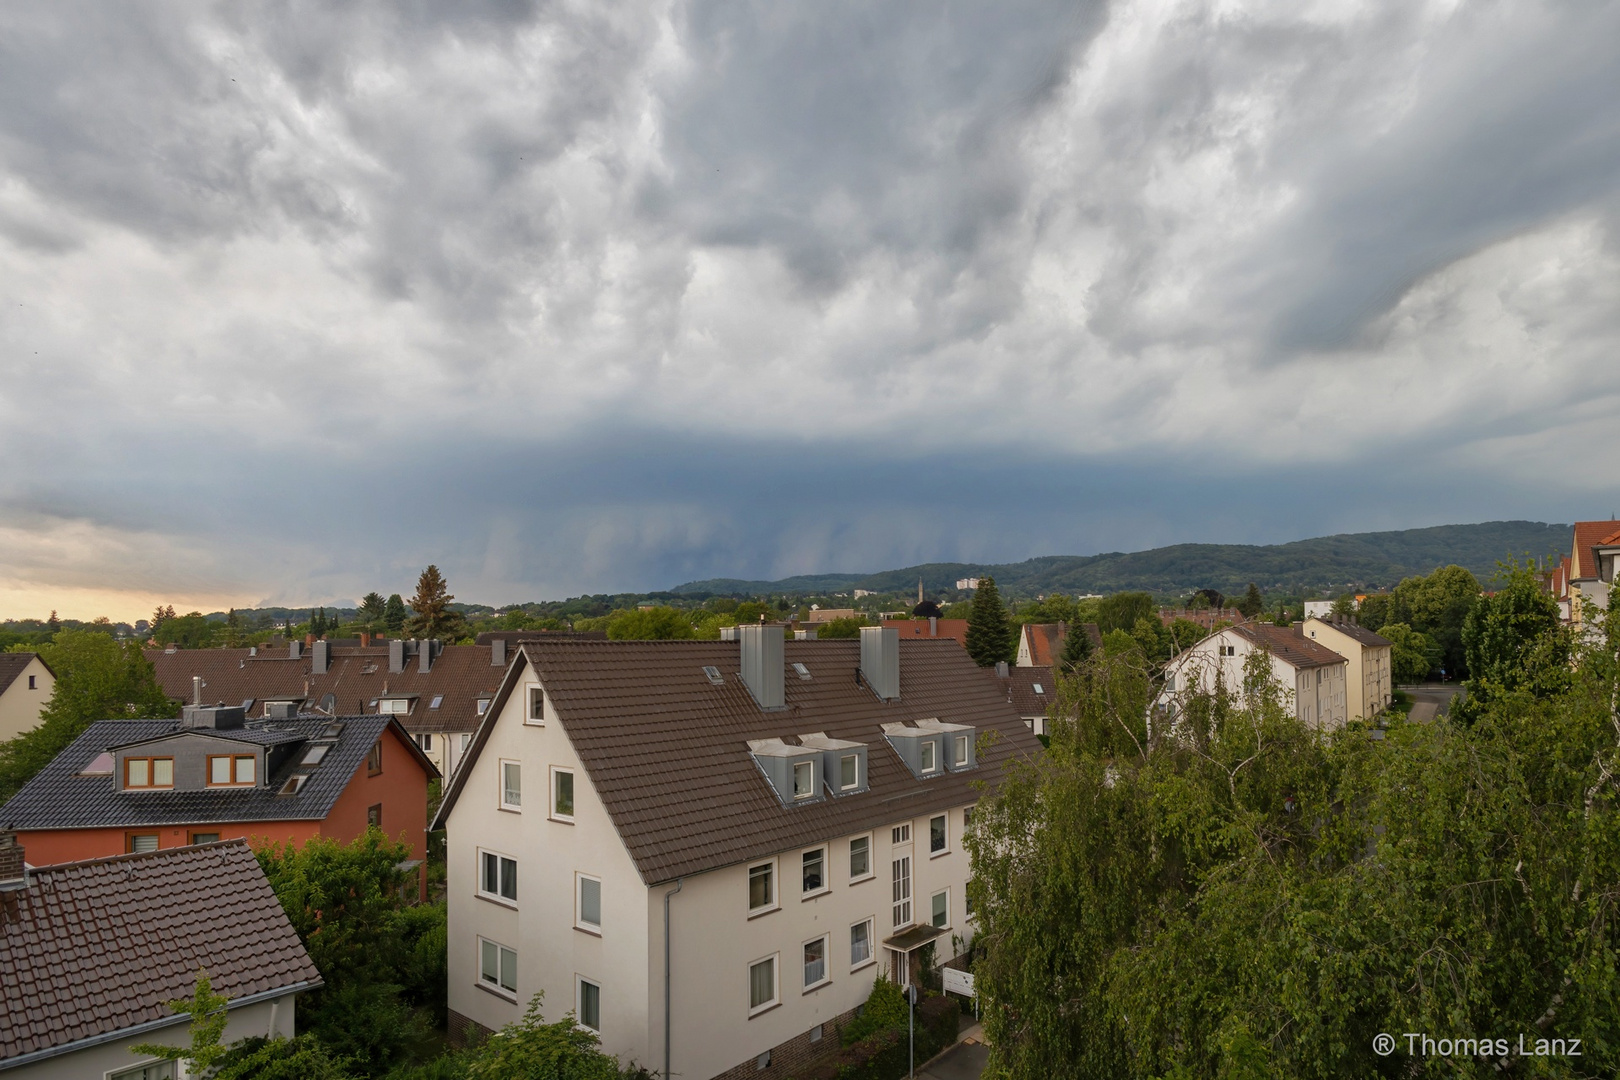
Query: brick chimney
{"x":13,"y":870}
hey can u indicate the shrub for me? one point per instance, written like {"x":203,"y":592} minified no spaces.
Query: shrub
{"x":885,"y":1007}
{"x":887,"y":1053}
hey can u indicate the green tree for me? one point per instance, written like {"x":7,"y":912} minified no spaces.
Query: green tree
{"x":840,"y":628}
{"x":235,"y":630}
{"x":189,"y":631}
{"x":97,"y":678}
{"x":1252,"y":603}
{"x":394,"y":614}
{"x":1122,"y":610}
{"x":373,"y":612}
{"x":651,"y":624}
{"x":302,"y":1058}
{"x":1076,"y":648}
{"x":208,"y":1020}
{"x":432,"y":616}
{"x":1374,"y":611}
{"x":532,"y":1049}
{"x":1412,"y":654}
{"x":1513,"y":640}
{"x":1436,"y":606}
{"x":990,"y":637}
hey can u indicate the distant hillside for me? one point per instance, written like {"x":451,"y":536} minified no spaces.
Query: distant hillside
{"x":1327,"y":564}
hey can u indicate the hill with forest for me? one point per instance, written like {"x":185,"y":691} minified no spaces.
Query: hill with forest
{"x":1324,"y":565}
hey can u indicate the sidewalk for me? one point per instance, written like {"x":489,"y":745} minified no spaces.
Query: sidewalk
{"x":963,"y":1061}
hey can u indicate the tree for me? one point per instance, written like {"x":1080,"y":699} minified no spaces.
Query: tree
{"x":97,"y":678}
{"x":1437,"y":605}
{"x":160,"y":615}
{"x":394,"y":614}
{"x":1374,"y":611}
{"x":1076,"y":648}
{"x":839,"y":628}
{"x":233,"y":629}
{"x":535,"y":1050}
{"x":208,"y":1020}
{"x":373,"y":611}
{"x":1252,"y":603}
{"x":651,"y":624}
{"x":1121,"y":610}
{"x":1514,"y":640}
{"x":1412,"y":654}
{"x":990,"y":637}
{"x":432,"y":616}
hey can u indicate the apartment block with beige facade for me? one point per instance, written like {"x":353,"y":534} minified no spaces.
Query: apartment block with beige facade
{"x":1312,"y":677}
{"x":791,"y":811}
{"x":26,"y":683}
{"x":1369,"y":684}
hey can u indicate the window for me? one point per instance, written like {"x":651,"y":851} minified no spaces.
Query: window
{"x":940,"y":908}
{"x":936,"y":834}
{"x":901,"y":834}
{"x":231,"y":770}
{"x":562,"y":794}
{"x":271,"y":707}
{"x":374,"y":816}
{"x":962,"y":749}
{"x":374,"y":759}
{"x":761,"y":887}
{"x":425,"y":741}
{"x":157,"y":772}
{"x":930,"y":754}
{"x":1039,"y":689}
{"x":205,"y":838}
{"x":157,"y":1070}
{"x":860,"y":944}
{"x":1170,"y":681}
{"x":32,"y":685}
{"x":804,"y":779}
{"x":815,"y":871}
{"x":483,"y":706}
{"x":315,"y":753}
{"x":438,"y":699}
{"x":497,"y":968}
{"x":466,"y":741}
{"x":860,"y":858}
{"x":511,"y":785}
{"x":397,"y":706}
{"x":537,"y":706}
{"x":815,"y":962}
{"x":497,"y":876}
{"x":143,"y":842}
{"x":590,"y":903}
{"x":967,"y":818}
{"x":588,"y":1006}
{"x":713,"y":675}
{"x":801,"y":671}
{"x":901,"y":890}
{"x":761,"y":985}
{"x":849,"y":772}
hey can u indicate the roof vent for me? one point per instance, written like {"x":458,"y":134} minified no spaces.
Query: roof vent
{"x":212,"y":716}
{"x":712,"y":673}
{"x":762,"y":664}
{"x":880,"y":661}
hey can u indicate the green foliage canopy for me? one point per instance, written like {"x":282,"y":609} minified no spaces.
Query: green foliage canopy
{"x":1513,"y":640}
{"x":1412,"y":654}
{"x":531,"y":1049}
{"x":1122,"y":611}
{"x":651,"y":624}
{"x":840,"y":628}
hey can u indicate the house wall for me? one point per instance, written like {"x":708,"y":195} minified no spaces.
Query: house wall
{"x":541,"y":926}
{"x":1313,"y":702}
{"x":20,"y":705}
{"x":401,"y":788}
{"x":48,"y":846}
{"x":265,"y":1018}
{"x":1368,"y":686}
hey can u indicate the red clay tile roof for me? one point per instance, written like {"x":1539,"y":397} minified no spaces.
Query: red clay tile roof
{"x":1590,"y":534}
{"x":12,"y":665}
{"x":1285,"y":645}
{"x":1046,"y":640}
{"x":667,"y":750}
{"x":1019,"y":687}
{"x":955,"y":629}
{"x":92,"y":948}
{"x":357,"y":677}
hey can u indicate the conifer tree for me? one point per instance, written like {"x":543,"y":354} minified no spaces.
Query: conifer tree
{"x":990,"y":632}
{"x":432,"y":616}
{"x":394,"y":614}
{"x":1076,"y":647}
{"x":1252,"y":603}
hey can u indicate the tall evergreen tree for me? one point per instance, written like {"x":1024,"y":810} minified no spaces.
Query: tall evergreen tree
{"x":394,"y":614}
{"x":1076,"y":647}
{"x":1252,"y":603}
{"x":373,"y":611}
{"x":990,"y":632}
{"x":431,"y":614}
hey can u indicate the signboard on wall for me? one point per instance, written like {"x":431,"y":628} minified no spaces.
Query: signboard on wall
{"x":958,"y":982}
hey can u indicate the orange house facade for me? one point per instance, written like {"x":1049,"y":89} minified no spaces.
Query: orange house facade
{"x":143,"y":785}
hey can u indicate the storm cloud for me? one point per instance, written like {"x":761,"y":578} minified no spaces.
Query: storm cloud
{"x":578,"y":297}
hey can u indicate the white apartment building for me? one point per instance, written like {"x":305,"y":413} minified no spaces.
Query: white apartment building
{"x":1369,"y":684}
{"x":1312,"y":676}
{"x":708,"y":850}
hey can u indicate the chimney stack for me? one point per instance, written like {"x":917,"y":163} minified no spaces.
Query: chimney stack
{"x":933,"y":626}
{"x":424,"y":655}
{"x":762,"y":664}
{"x":13,"y":869}
{"x":196,"y":689}
{"x":365,"y":639}
{"x":295,"y":649}
{"x":1299,"y":629}
{"x":320,"y":657}
{"x":880,"y":661}
{"x":497,"y":652}
{"x":396,"y":655}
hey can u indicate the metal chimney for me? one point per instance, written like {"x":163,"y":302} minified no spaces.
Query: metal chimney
{"x":1001,"y":670}
{"x":762,"y":664}
{"x":196,"y":689}
{"x":880,"y":661}
{"x":320,"y":657}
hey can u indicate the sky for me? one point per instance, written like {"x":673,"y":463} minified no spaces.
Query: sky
{"x":576,"y":297}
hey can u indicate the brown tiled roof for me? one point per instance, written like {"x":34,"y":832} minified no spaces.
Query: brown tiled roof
{"x":93,"y":948}
{"x":955,"y":629}
{"x":357,"y":677}
{"x":12,"y":665}
{"x":1359,"y":633}
{"x":1285,"y":645}
{"x":1019,"y":688}
{"x":1046,"y":640}
{"x":667,"y":750}
{"x":1590,"y":534}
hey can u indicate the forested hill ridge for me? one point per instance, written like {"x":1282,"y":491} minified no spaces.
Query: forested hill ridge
{"x":1326,"y":564}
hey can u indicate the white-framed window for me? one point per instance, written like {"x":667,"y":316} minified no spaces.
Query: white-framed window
{"x":762,"y":887}
{"x":588,"y":1004}
{"x":536,"y":713}
{"x":497,"y":967}
{"x":813,"y":872}
{"x":763,"y":991}
{"x":466,"y":741}
{"x":929,"y":749}
{"x":900,"y":880}
{"x":152,"y":1070}
{"x":849,"y":772}
{"x":562,"y":794}
{"x":961,"y":745}
{"x":497,"y":876}
{"x":900,"y":834}
{"x":939,"y":908}
{"x":938,"y":835}
{"x":395,"y":706}
{"x":483,"y":706}
{"x":860,"y":945}
{"x":588,"y":903}
{"x":860,"y":858}
{"x":511,"y":777}
{"x":804,"y":779}
{"x":816,"y":973}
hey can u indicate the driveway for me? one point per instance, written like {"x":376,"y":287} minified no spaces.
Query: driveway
{"x":1431,"y":699}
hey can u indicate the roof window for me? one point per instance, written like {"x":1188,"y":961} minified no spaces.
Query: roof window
{"x":793,"y":771}
{"x":714,"y":675}
{"x":843,"y":762}
{"x":332,"y":731}
{"x":315,"y":753}
{"x":1039,"y":689}
{"x":100,"y":765}
{"x":294,"y":785}
{"x":438,"y":699}
{"x":802,"y":671}
{"x":932,"y":744}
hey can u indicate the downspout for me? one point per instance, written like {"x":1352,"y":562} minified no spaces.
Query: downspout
{"x":679,"y":884}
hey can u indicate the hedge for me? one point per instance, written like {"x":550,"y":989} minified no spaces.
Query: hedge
{"x":884,"y":1055}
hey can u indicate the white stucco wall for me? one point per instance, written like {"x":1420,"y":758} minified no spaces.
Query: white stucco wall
{"x":20,"y":704}
{"x":1319,"y":703}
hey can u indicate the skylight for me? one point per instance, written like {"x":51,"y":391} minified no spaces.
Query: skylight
{"x":1039,"y":689}
{"x":438,"y":699}
{"x":100,"y":765}
{"x":293,"y":785}
{"x":714,"y":675}
{"x":315,"y":753}
{"x":803,"y":672}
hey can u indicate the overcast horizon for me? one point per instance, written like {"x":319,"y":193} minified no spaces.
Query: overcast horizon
{"x":573,"y":298}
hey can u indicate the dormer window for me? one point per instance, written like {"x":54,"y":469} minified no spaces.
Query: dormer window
{"x":794,"y":772}
{"x":928,"y":755}
{"x":232,"y":770}
{"x":145,"y":773}
{"x":399,"y":706}
{"x":960,"y":757}
{"x":804,"y":779}
{"x":849,"y":772}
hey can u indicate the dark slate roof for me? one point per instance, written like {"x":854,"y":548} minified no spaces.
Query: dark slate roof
{"x":279,"y":735}
{"x":1019,"y":687}
{"x":667,"y":750}
{"x":93,"y":948}
{"x":59,"y":798}
{"x":12,"y":665}
{"x":1287,"y":646}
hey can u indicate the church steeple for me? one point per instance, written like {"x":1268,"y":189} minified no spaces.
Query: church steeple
{"x":919,"y":588}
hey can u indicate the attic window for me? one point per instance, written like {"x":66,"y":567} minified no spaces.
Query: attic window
{"x":714,"y":675}
{"x":315,"y":754}
{"x":332,"y":731}
{"x":804,"y":779}
{"x":293,"y":786}
{"x":1039,"y":689}
{"x":803,"y":672}
{"x":438,"y":699}
{"x":100,"y":765}
{"x":483,"y":705}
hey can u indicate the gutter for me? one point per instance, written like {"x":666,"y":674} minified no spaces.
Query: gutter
{"x":680,"y":883}
{"x":151,"y":1025}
